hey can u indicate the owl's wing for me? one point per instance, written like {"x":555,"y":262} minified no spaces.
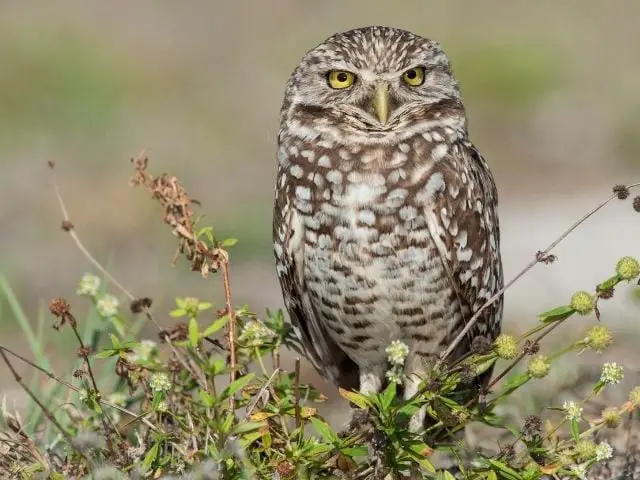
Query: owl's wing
{"x":461,"y":216}
{"x":288,"y":234}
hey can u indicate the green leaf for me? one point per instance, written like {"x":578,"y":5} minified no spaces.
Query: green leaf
{"x":358,"y":451}
{"x":115,"y":341}
{"x":206,"y":398}
{"x":218,"y":367}
{"x":249,"y":438}
{"x":484,"y":365}
{"x":448,"y":476}
{"x":418,"y":452}
{"x":609,"y":283}
{"x":505,"y":471}
{"x":324,"y":430}
{"x":194,"y":336}
{"x":514,"y":382}
{"x":226,"y":424}
{"x":157,"y":398}
{"x":151,"y":456}
{"x":599,"y":387}
{"x":492,"y":475}
{"x":207,"y":232}
{"x":556,"y":314}
{"x":215,"y":326}
{"x":575,"y":429}
{"x":237,"y":385}
{"x":228,"y":242}
{"x":245,"y":427}
{"x":386,"y":398}
{"x":109,"y":352}
{"x":357,"y":398}
{"x":178,"y":312}
{"x":202,"y":306}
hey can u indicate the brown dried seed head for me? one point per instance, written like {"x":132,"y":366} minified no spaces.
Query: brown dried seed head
{"x":123,"y":368}
{"x":67,"y":225}
{"x":140,"y":304}
{"x":606,"y":293}
{"x":507,"y":452}
{"x":59,"y":307}
{"x":545,"y":258}
{"x":178,"y":332}
{"x":78,"y":373}
{"x":636,"y":204}
{"x":531,"y":348}
{"x":621,"y":191}
{"x":83,"y":352}
{"x":532,"y":425}
{"x":285,"y":469}
{"x":174,"y":365}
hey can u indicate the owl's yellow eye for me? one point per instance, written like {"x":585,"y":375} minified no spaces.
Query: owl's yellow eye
{"x":340,"y":79}
{"x":414,"y":76}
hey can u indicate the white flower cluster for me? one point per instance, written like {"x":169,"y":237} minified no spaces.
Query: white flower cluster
{"x":89,"y":286}
{"x":397,"y":353}
{"x":160,"y":382}
{"x":612,"y":373}
{"x":255,"y":334}
{"x":573,"y":410}
{"x":604,"y":451}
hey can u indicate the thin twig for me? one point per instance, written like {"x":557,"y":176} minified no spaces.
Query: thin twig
{"x":232,"y":327}
{"x":528,"y":267}
{"x":296,"y":387}
{"x":108,"y":422}
{"x":70,"y":386}
{"x":260,"y":393}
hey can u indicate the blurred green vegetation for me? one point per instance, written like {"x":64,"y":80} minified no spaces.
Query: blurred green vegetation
{"x":509,"y":76}
{"x":60,"y":83}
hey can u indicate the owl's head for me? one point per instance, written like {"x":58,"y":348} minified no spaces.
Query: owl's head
{"x":373,"y":81}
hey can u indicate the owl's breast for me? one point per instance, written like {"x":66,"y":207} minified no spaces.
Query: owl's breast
{"x":371,"y":269}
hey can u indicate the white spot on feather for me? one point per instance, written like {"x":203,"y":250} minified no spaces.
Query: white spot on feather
{"x":303,"y":193}
{"x":324,"y":161}
{"x":434,"y":185}
{"x":334,"y":176}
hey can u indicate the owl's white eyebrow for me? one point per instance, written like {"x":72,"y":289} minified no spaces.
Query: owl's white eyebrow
{"x":367,"y":75}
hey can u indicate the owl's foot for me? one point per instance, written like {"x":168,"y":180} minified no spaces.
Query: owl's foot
{"x":360,"y":422}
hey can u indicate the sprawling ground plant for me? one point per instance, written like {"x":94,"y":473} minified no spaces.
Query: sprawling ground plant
{"x":209,"y":398}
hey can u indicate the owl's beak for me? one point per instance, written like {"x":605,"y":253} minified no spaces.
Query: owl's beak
{"x":381,"y":102}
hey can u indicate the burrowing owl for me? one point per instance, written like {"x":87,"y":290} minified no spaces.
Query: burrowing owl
{"x":385,"y":223}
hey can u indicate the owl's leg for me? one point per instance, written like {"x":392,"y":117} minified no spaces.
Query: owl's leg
{"x":415,"y":371}
{"x":371,"y":379}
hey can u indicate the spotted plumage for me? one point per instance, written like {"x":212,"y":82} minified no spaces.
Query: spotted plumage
{"x":385,"y":224}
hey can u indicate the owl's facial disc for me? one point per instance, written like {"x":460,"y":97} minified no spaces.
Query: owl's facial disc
{"x":370,"y":84}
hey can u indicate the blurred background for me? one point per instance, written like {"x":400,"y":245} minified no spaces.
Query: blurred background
{"x":553,"y":97}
